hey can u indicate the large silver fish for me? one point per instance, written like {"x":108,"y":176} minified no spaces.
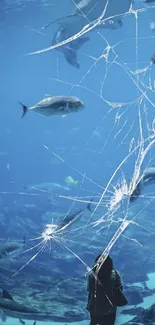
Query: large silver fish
{"x":58,"y":105}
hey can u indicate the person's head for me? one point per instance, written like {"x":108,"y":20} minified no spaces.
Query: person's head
{"x":106,"y":268}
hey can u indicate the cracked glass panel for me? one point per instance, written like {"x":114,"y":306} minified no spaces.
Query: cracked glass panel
{"x":77,"y":179}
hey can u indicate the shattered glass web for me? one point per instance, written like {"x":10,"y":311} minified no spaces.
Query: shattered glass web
{"x":118,"y":190}
{"x":111,"y":207}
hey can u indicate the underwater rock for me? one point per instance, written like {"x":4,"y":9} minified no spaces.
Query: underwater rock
{"x":74,"y":316}
{"x":132,"y":311}
{"x":146,"y":317}
{"x":133,"y":295}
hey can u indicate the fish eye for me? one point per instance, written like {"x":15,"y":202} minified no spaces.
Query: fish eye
{"x":75,"y":104}
{"x":78,"y":103}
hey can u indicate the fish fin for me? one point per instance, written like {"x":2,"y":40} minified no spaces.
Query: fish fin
{"x":5,"y":253}
{"x":48,"y":95}
{"x":25,"y":109}
{"x":6,"y":295}
{"x":2,"y":315}
{"x":58,"y":20}
{"x":79,"y":42}
{"x":22,"y":321}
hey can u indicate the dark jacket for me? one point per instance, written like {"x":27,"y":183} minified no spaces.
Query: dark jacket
{"x":100,"y":295}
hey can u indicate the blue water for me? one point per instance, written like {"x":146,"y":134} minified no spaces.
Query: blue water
{"x":88,"y":145}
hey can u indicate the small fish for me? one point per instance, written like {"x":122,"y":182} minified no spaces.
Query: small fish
{"x":147,"y":178}
{"x":149,"y":175}
{"x":137,"y":191}
{"x":9,"y":249}
{"x":58,"y":105}
{"x":153,"y":58}
{"x":70,"y":181}
{"x":24,"y":240}
{"x":71,"y":218}
{"x":69,"y":50}
{"x":89,"y":205}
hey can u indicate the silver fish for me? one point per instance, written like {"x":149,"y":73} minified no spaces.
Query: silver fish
{"x":58,"y":105}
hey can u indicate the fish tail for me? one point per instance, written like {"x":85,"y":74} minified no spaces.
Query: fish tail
{"x":89,"y":205}
{"x":25,"y":109}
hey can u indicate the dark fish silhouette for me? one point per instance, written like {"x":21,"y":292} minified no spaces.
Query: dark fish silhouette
{"x":153,"y":58}
{"x":73,"y":217}
{"x":89,"y":205}
{"x":137,"y":191}
{"x":149,"y":1}
{"x":147,"y":178}
{"x":69,"y":50}
{"x":6,"y":295}
{"x":69,"y":219}
{"x":8,"y":249}
{"x":8,"y":303}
